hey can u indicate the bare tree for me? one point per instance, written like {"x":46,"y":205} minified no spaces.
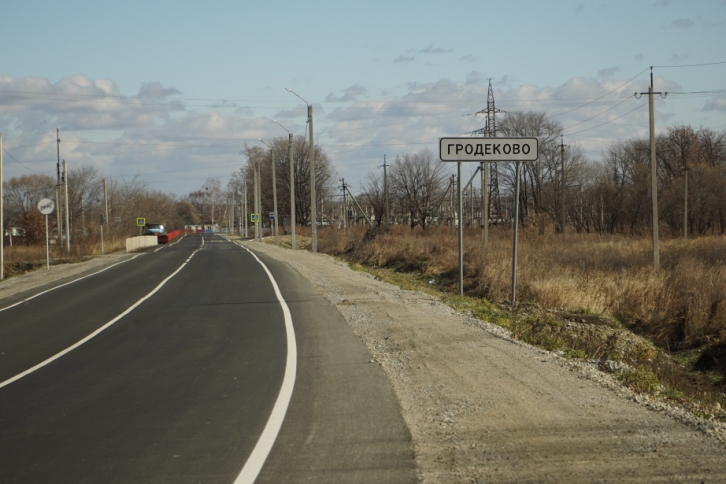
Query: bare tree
{"x":417,"y":180}
{"x":375,"y":196}
{"x":324,"y":175}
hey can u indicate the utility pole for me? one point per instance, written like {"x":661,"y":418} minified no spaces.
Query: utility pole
{"x":274,"y":199}
{"x":563,"y":184}
{"x":245,"y":207}
{"x":292,"y":185}
{"x":460,"y":211}
{"x":83,"y":218}
{"x":58,"y":204}
{"x":256,"y":206}
{"x":105,"y":203}
{"x":345,"y":206}
{"x":68,"y":221}
{"x":311,"y":157}
{"x":2,"y":227}
{"x":274,"y":194}
{"x":385,"y":192}
{"x":653,"y":169}
{"x":313,"y":215}
{"x":292,"y":192}
{"x":685,"y":200}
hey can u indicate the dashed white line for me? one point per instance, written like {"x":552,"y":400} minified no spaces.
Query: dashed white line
{"x":95,"y":333}
{"x":67,"y":283}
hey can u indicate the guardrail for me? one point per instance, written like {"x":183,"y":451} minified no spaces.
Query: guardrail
{"x":136,"y":243}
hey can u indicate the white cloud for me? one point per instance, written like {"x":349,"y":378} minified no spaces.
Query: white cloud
{"x":351,"y":94}
{"x":403,"y":58}
{"x":434,"y":50}
{"x":156,"y":90}
{"x":715,"y":104}
{"x":608,"y":73}
{"x":683,"y":23}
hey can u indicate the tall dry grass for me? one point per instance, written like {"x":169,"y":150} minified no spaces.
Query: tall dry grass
{"x":20,"y":259}
{"x":681,"y":306}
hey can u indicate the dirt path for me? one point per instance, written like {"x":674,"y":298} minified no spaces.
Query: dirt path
{"x":485,"y":408}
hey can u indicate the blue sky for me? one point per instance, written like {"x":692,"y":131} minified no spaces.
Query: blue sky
{"x":153,"y":88}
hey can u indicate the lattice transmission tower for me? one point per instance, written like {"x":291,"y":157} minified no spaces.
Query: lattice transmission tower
{"x":490,"y":131}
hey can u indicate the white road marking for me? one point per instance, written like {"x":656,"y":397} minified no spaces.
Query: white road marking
{"x":65,"y":284}
{"x":259,"y":454}
{"x":99,"y":330}
{"x":169,"y":245}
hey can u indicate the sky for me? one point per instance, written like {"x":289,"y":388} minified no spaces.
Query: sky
{"x":171,"y":92}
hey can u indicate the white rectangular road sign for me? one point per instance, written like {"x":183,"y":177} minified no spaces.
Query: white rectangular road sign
{"x":488,"y":149}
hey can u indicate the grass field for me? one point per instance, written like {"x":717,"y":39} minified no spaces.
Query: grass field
{"x":20,"y":259}
{"x":606,"y":280}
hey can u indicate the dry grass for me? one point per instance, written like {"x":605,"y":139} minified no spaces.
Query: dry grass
{"x":20,"y":259}
{"x":680,"y":308}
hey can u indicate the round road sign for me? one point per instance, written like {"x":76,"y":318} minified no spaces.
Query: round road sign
{"x":46,"y":206}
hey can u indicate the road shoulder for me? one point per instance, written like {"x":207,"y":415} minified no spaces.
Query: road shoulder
{"x":484,"y":408}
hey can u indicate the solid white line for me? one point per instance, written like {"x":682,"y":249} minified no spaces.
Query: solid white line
{"x":65,"y":284}
{"x":259,"y":454}
{"x":79,"y":343}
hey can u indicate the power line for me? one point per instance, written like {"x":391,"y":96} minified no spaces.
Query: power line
{"x":692,"y":65}
{"x":608,"y":122}
{"x":606,"y":94}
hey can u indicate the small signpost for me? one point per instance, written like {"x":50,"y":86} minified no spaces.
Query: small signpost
{"x":272,"y":215}
{"x":489,"y":150}
{"x":46,"y":207}
{"x":140,"y":222}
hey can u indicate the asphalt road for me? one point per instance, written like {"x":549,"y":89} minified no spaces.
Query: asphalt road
{"x":180,"y":388}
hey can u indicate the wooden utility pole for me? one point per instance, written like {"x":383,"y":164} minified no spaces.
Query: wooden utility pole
{"x":105,"y":203}
{"x":345,"y":206}
{"x":68,"y":218}
{"x":58,"y":204}
{"x":653,"y":170}
{"x":385,"y":191}
{"x":563,"y":185}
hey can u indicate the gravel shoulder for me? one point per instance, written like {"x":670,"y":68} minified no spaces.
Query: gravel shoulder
{"x":483,"y":407}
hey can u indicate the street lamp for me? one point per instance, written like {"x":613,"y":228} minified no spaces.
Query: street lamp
{"x":274,"y":192}
{"x":311,"y":156}
{"x":292,"y":185}
{"x":255,"y":193}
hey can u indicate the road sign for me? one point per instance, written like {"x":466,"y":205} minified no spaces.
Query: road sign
{"x":272,"y":215}
{"x":488,"y":149}
{"x":140,"y":221}
{"x":254,"y":217}
{"x":46,"y":206}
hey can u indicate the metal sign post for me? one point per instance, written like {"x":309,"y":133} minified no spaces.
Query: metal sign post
{"x":46,"y":207}
{"x":488,"y":150}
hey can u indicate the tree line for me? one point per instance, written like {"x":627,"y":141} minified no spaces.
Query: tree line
{"x":608,"y":196}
